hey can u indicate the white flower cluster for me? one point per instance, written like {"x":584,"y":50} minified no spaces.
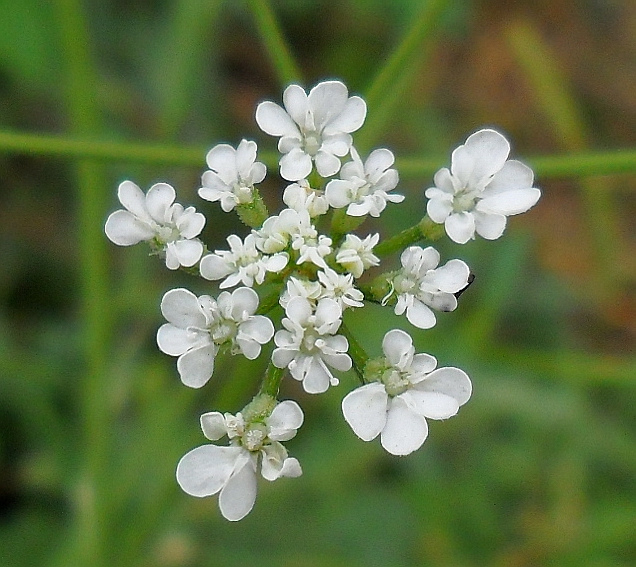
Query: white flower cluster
{"x":306,"y":259}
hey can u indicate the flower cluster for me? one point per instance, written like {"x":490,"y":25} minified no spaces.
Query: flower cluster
{"x":306,"y":259}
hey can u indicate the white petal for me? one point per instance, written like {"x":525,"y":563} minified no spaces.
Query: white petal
{"x":273,"y":120}
{"x":326,"y":101}
{"x":488,"y":151}
{"x":512,"y":202}
{"x":327,"y":312}
{"x":284,"y":420}
{"x":420,"y":315}
{"x":133,"y":198}
{"x":452,"y":276}
{"x":298,"y":310}
{"x":206,"y":469}
{"x":296,"y":103}
{"x":222,"y":160}
{"x":439,"y":209}
{"x":397,"y":345}
{"x":125,"y":229}
{"x":450,"y":381}
{"x":281,"y":357}
{"x":239,"y":493}
{"x":318,"y":377}
{"x":295,"y":165}
{"x":276,"y":262}
{"x":431,"y":404}
{"x":244,"y":301}
{"x":460,"y":227}
{"x":423,"y":363}
{"x":190,"y":224}
{"x":489,"y":226}
{"x":213,"y":267}
{"x":259,"y":328}
{"x":181,"y":308}
{"x":213,"y":425}
{"x":245,"y":157}
{"x":273,"y":457}
{"x":339,"y":361}
{"x":197,"y":365}
{"x":175,"y":341}
{"x":350,"y":118}
{"x":443,"y":183}
{"x":338,"y":193}
{"x":291,"y":468}
{"x":158,"y":200}
{"x":405,"y":430}
{"x":188,"y":252}
{"x":365,"y":409}
{"x":327,"y":164}
{"x":513,"y":175}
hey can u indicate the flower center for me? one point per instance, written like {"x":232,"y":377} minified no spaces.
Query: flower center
{"x":394,"y":382}
{"x":224,"y":331}
{"x":243,"y":194}
{"x":254,"y":436}
{"x":167,"y":234}
{"x":464,"y":200}
{"x":312,"y":143}
{"x":404,"y":284}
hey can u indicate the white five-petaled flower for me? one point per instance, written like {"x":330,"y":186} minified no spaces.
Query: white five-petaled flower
{"x":481,"y":189}
{"x":232,"y":470}
{"x":407,"y":391}
{"x":356,"y":255}
{"x":315,"y":127}
{"x":308,"y":345}
{"x":156,"y":218}
{"x":364,"y":188}
{"x":198,"y":326}
{"x":232,"y":175}
{"x":300,"y":287}
{"x":340,"y":288}
{"x":420,"y":285}
{"x":300,"y":196}
{"x":243,"y":263}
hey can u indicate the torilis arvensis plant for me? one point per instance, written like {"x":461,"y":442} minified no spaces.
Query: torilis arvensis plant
{"x":308,"y":259}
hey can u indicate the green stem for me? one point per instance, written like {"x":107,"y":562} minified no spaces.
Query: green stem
{"x":279,"y":52}
{"x":271,"y":381}
{"x":426,"y":229}
{"x":84,"y":120}
{"x":571,"y":164}
{"x":356,"y":352}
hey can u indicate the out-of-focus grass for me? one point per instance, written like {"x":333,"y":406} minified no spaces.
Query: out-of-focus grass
{"x":538,"y":469}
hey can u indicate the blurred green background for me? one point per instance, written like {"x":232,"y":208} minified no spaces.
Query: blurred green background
{"x":538,"y":469}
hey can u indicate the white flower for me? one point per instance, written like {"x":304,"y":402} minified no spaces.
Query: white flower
{"x":356,"y":255}
{"x":300,"y":196}
{"x":407,"y":392}
{"x":314,"y":127}
{"x":296,"y":227}
{"x":243,"y":263}
{"x":198,"y":326}
{"x":481,"y":189}
{"x":297,"y":287}
{"x":340,"y":288}
{"x":232,"y":470}
{"x":309,"y":345}
{"x":156,"y":218}
{"x":421,"y":285}
{"x":363,"y":189}
{"x":232,"y":175}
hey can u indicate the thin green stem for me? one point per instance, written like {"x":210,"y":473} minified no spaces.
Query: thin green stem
{"x":426,"y":229}
{"x":356,"y":351}
{"x":555,"y":98}
{"x":571,"y":164}
{"x":84,"y":120}
{"x":391,"y":82}
{"x":275,"y":44}
{"x":271,"y":381}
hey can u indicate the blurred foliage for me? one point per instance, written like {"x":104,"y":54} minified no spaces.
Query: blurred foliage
{"x":538,"y":469}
